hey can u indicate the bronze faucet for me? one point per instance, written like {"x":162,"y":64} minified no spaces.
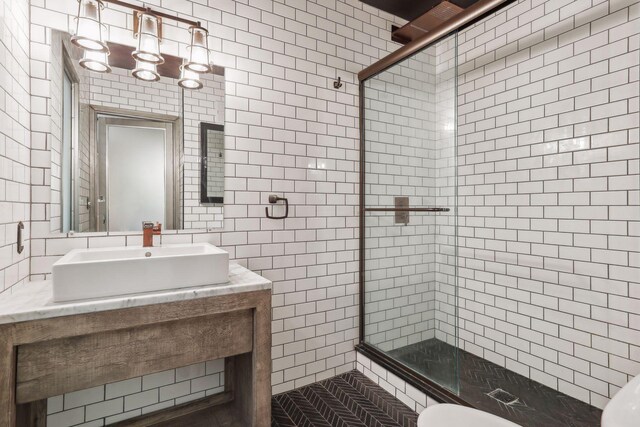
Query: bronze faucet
{"x":149,"y":229}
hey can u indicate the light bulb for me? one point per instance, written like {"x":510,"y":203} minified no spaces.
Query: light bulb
{"x":189,"y":79}
{"x":146,"y":71}
{"x":95,"y":61}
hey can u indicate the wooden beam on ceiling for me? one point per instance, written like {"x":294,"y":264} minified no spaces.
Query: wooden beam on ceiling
{"x":426,"y":22}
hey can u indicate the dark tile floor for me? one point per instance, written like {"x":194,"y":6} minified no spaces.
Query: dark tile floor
{"x":347,"y":400}
{"x":537,"y":406}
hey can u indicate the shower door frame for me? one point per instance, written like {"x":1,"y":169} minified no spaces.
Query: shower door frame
{"x":468,"y":17}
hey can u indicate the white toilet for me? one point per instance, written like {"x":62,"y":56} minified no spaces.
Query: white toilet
{"x":450,"y":415}
{"x":622,"y":411}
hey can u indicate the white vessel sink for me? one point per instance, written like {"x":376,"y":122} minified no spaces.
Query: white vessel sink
{"x":97,"y":273}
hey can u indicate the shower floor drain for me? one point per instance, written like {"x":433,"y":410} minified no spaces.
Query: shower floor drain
{"x":503,"y":396}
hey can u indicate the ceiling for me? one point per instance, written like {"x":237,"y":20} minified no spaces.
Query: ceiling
{"x":411,"y":9}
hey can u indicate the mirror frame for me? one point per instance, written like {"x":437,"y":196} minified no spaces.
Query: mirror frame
{"x":204,"y":127}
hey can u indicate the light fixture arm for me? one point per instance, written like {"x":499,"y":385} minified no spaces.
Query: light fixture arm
{"x":155,"y":12}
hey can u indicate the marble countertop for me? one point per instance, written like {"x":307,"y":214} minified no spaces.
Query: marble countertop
{"x":34,"y":300}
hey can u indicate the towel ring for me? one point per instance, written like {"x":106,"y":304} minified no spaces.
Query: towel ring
{"x":273,"y":199}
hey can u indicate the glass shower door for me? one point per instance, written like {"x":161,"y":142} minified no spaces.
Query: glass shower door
{"x":410,"y":228}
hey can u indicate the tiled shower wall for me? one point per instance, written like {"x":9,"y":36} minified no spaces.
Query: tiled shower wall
{"x":287,"y":131}
{"x":549,"y":193}
{"x":400,"y":162}
{"x":15,"y":141}
{"x":548,"y":156}
{"x":410,"y":151}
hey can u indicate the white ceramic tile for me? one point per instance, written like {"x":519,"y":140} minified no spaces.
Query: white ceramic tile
{"x":581,"y":252}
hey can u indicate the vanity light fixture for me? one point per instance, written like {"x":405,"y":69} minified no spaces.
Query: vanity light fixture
{"x":148,"y":34}
{"x":198,"y":59}
{"x":95,"y":61}
{"x":147,"y":26}
{"x":146,"y":71}
{"x":189,"y":79}
{"x":89,"y":28}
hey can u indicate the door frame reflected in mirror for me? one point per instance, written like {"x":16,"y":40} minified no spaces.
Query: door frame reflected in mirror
{"x":168,"y":188}
{"x":99,"y":115}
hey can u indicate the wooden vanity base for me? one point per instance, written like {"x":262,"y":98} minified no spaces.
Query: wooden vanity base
{"x":49,"y":357}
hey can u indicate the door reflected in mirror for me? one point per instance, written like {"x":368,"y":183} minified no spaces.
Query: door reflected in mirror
{"x":124,"y":151}
{"x":136,"y":165}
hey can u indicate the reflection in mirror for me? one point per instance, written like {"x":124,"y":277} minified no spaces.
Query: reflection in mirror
{"x":136,"y":164}
{"x":212,"y":169}
{"x":125,"y":151}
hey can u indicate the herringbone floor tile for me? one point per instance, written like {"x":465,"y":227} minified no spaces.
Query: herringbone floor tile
{"x":348,"y":400}
{"x":352,"y":400}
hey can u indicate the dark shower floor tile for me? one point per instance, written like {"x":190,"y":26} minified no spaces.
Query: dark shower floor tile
{"x":537,"y":406}
{"x":349,"y":400}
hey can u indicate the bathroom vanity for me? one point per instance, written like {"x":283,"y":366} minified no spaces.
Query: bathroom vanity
{"x":47,"y":349}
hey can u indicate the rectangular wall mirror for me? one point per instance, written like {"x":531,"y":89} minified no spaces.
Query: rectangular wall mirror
{"x":124,"y":151}
{"x":212,"y":169}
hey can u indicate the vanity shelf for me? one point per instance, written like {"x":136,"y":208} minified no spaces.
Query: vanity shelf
{"x":48,"y":349}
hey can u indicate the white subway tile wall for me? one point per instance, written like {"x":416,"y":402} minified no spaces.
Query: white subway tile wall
{"x":287,"y":131}
{"x":118,"y":401}
{"x":549,"y":196}
{"x":15,"y":141}
{"x":403,"y":391}
{"x":549,"y":193}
